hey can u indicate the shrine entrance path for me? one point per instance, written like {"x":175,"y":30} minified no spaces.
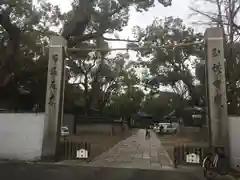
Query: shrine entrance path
{"x":136,"y":152}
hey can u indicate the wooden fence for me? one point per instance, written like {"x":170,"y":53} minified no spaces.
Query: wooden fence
{"x":70,"y":150}
{"x":189,"y":155}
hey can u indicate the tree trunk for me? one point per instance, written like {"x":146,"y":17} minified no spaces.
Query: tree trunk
{"x":231,"y":64}
{"x":86,"y":95}
{"x":96,"y":87}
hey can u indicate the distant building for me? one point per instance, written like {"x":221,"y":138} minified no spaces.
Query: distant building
{"x":194,"y":116}
{"x":142,"y":120}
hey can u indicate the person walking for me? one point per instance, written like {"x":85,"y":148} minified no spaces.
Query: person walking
{"x":147,"y":134}
{"x":161,"y":129}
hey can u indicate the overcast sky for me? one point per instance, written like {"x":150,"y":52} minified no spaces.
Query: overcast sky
{"x":179,"y":9}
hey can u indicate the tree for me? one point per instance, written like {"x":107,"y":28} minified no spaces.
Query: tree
{"x":224,"y":13}
{"x":172,"y":67}
{"x":128,"y":97}
{"x":99,"y":17}
{"x":23,"y":27}
{"x":22,"y":68}
{"x":93,"y":24}
{"x":106,"y":74}
{"x":125,"y":104}
{"x":156,"y":106}
{"x":20,"y":26}
{"x":163,"y":104}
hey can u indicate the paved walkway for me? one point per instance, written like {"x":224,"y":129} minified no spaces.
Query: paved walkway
{"x":135,"y":152}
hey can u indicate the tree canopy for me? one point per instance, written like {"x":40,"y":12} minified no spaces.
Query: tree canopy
{"x":94,"y":80}
{"x":106,"y":84}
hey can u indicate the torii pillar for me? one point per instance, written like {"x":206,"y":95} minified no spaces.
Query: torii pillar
{"x":54,"y":97}
{"x":216,"y":87}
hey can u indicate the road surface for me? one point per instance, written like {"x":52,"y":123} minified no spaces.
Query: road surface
{"x":11,"y":171}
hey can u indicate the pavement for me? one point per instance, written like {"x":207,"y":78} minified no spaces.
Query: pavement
{"x":136,"y":152}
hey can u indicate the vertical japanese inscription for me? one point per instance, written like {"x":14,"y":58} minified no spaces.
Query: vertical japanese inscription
{"x":52,"y":87}
{"x":215,"y":52}
{"x":217,"y":69}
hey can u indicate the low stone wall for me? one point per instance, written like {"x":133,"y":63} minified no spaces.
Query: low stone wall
{"x":196,"y":132}
{"x":189,"y":129}
{"x":111,"y":129}
{"x":69,"y":121}
{"x":21,"y":136}
{"x":234,"y":136}
{"x":104,"y":125}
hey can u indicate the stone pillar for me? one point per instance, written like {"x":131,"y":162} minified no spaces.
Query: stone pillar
{"x":63,"y":90}
{"x":54,"y":97}
{"x":216,"y":85}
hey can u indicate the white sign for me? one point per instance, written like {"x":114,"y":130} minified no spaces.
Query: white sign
{"x":192,"y":158}
{"x":82,"y":154}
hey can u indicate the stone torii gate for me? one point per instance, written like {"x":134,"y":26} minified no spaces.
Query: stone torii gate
{"x":215,"y":83}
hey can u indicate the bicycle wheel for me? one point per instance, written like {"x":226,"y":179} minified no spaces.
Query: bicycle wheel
{"x":209,"y":172}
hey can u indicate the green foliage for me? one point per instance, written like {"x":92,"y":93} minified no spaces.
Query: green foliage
{"x":98,"y":77}
{"x":224,"y":13}
{"x":157,"y":107}
{"x":22,"y":69}
{"x":170,"y":67}
{"x":162,"y":104}
{"x":126,"y":104}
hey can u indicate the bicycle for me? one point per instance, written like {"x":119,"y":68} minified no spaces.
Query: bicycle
{"x":215,"y":164}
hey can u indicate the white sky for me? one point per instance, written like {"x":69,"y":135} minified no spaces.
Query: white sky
{"x":179,"y":9}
